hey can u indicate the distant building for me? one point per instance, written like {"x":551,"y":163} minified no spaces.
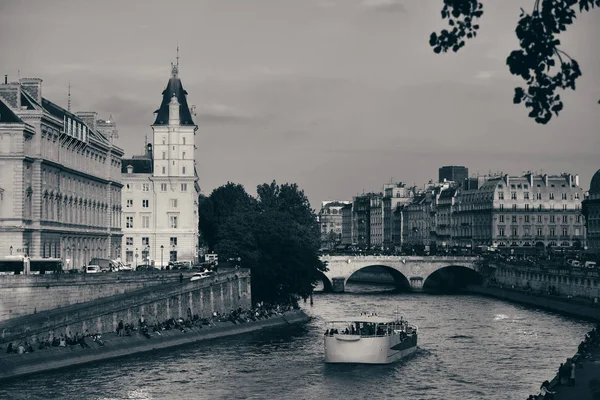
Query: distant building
{"x":591,"y":209}
{"x":361,"y":219}
{"x":395,"y":195}
{"x":521,"y":212}
{"x":160,"y":193}
{"x":347,"y":224}
{"x":330,"y":221}
{"x":60,"y":190}
{"x":453,"y":173}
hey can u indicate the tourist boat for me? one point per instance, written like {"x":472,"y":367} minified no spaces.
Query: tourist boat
{"x":369,"y":340}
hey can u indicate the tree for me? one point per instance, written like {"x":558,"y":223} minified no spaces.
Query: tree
{"x":275,"y":235}
{"x":544,"y":67}
{"x":213,"y":210}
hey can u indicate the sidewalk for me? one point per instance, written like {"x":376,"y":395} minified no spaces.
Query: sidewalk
{"x":583,"y":377}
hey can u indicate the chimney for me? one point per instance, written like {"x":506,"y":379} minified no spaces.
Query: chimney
{"x":149,"y":150}
{"x":545,"y":178}
{"x":506,"y":179}
{"x":11,"y":95}
{"x":33,"y":87}
{"x":577,"y":180}
{"x":89,"y":118}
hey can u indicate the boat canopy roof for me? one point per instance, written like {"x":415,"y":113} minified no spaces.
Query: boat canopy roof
{"x":368,"y":320}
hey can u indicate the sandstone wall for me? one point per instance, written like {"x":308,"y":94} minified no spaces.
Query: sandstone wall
{"x":220,"y":293}
{"x":28,"y":294}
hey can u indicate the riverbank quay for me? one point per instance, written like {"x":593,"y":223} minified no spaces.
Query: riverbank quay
{"x":587,"y":380}
{"x":114,"y":346}
{"x":572,"y":307}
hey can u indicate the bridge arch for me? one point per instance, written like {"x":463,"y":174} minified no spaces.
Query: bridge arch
{"x":400,"y":280}
{"x":451,"y":278}
{"x":327,"y":284}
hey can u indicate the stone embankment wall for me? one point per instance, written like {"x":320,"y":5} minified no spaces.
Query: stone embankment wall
{"x":577,"y":282}
{"x":221,"y":293}
{"x":570,"y":307}
{"x":28,"y":294}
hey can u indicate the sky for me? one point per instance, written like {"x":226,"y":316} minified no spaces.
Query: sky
{"x":338,"y":96}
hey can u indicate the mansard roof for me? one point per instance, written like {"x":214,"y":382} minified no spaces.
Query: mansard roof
{"x":595,"y":183}
{"x":141,"y":165}
{"x":174,"y":88}
{"x":7,"y":115}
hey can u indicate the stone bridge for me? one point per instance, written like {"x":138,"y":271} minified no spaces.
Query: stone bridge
{"x":411,"y":270}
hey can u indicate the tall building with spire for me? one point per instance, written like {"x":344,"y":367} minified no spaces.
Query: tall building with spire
{"x":160,"y":187}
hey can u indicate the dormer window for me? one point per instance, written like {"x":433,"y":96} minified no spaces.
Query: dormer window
{"x":130,"y":169}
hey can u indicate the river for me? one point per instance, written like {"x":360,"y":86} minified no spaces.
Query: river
{"x":469,"y":348}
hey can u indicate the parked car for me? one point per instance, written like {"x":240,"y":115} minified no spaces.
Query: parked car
{"x":145,"y":267}
{"x":93,"y":269}
{"x":200,"y":275}
{"x":106,"y":265}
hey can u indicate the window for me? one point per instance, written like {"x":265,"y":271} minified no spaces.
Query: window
{"x":540,"y":207}
{"x":173,"y":203}
{"x":539,"y":231}
{"x":513,"y":195}
{"x":526,"y":207}
{"x":184,"y":187}
{"x":502,"y":218}
{"x":145,"y":203}
{"x":173,"y":241}
{"x":164,"y":155}
{"x":128,"y":187}
{"x":578,"y":218}
{"x":501,"y":231}
{"x":129,"y":222}
{"x":539,"y":219}
{"x":501,"y":207}
{"x":552,"y":219}
{"x":564,"y":196}
{"x":526,"y":195}
{"x":564,"y":219}
{"x":173,"y":221}
{"x":145,"y":187}
{"x":183,"y":155}
{"x":129,"y":241}
{"x":500,"y":195}
{"x":551,"y":196}
{"x":514,"y":218}
{"x":129,"y":203}
{"x":514,"y":207}
{"x":577,"y":232}
{"x":576,"y":196}
{"x":538,"y":196}
{"x":527,"y":219}
{"x":183,"y":139}
{"x":565,"y":232}
{"x":164,"y":170}
{"x":552,"y":231}
{"x":145,"y":241}
{"x":564,"y":207}
{"x":163,"y":187}
{"x":183,"y":170}
{"x":173,"y":255}
{"x":129,"y":256}
{"x":514,"y":232}
{"x":164,"y":140}
{"x":146,"y":221}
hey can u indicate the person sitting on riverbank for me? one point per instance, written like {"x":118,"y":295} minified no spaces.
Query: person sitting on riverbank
{"x":545,"y":393}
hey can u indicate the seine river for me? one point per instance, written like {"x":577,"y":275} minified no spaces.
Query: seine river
{"x":470,"y":348}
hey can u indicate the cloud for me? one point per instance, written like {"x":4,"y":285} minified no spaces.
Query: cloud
{"x":220,"y":114}
{"x":385,"y":5}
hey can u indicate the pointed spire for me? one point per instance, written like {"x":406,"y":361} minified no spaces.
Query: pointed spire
{"x":175,"y":67}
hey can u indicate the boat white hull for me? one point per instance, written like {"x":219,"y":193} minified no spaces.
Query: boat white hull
{"x":365,"y":350}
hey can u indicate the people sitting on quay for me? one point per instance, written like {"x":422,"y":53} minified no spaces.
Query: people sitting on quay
{"x":260,"y":311}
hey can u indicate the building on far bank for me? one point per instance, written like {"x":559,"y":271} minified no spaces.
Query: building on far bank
{"x":591,"y":211}
{"x":160,"y":187}
{"x":60,"y":190}
{"x":395,"y":195}
{"x":453,"y":173}
{"x":330,"y":221}
{"x":346,"y":211}
{"x":521,"y":213}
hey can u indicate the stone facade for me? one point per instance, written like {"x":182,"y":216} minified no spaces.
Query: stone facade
{"x":59,"y":181}
{"x":330,"y":221}
{"x":160,"y":193}
{"x":591,"y":208}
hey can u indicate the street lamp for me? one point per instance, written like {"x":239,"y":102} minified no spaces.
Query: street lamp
{"x":10,"y":250}
{"x":162,"y":248}
{"x":136,"y":257}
